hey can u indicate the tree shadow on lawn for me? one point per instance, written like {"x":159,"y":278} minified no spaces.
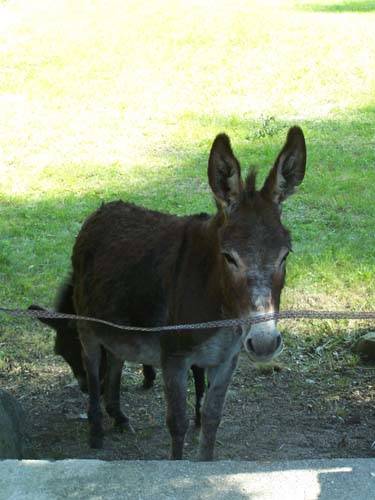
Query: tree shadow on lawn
{"x":344,"y":7}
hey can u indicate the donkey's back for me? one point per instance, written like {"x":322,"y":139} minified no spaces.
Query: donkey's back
{"x":125,"y":259}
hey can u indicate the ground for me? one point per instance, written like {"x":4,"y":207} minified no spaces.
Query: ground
{"x":296,"y":410}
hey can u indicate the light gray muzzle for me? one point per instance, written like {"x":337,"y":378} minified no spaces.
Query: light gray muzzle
{"x":263,"y":341}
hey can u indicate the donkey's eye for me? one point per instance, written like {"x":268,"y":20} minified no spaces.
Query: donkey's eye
{"x":230,"y":259}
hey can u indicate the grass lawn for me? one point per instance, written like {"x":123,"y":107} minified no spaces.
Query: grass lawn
{"x":121,"y":99}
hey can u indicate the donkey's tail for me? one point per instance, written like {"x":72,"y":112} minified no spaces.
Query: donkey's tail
{"x":63,"y":304}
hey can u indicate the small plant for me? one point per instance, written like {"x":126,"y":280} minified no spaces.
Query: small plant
{"x":268,"y":127}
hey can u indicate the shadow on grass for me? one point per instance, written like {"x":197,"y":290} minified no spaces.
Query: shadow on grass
{"x":331,"y":217}
{"x":342,"y":7}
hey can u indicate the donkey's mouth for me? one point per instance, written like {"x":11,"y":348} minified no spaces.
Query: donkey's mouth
{"x":265,"y":358}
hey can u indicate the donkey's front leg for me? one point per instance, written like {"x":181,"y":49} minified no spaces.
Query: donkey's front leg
{"x":219,"y":378}
{"x":175,"y":386}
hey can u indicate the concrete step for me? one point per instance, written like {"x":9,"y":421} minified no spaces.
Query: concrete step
{"x":158,"y":480}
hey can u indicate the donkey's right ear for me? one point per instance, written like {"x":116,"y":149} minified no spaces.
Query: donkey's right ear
{"x":289,"y":168}
{"x":224,"y":172}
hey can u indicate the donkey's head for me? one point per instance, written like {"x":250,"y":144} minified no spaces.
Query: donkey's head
{"x":67,"y":344}
{"x":254,"y":244}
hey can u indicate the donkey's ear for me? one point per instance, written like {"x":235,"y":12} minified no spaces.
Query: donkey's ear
{"x":224,"y":172}
{"x":289,"y":168}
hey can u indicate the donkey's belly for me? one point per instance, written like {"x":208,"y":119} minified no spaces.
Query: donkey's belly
{"x":146,"y":349}
{"x":139,"y":349}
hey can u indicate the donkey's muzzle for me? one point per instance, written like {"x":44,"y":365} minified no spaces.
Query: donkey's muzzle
{"x":263,"y":342}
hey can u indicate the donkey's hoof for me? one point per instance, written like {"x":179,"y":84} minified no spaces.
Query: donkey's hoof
{"x":124,"y":425}
{"x":96,"y":442}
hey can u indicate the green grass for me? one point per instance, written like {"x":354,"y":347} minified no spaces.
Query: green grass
{"x":339,"y":6}
{"x":106,"y":100}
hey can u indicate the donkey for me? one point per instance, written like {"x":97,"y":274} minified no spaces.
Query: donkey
{"x":140,"y":267}
{"x":68,"y":345}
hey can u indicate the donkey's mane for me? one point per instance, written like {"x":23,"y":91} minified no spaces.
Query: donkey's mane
{"x":250,"y":184}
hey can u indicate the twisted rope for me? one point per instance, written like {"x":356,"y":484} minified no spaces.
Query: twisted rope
{"x":186,"y":328}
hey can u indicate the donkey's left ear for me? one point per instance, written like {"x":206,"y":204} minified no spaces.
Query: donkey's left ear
{"x":224,"y":172}
{"x":289,"y":168}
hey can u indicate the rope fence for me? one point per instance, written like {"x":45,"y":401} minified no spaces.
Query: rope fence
{"x":189,"y":327}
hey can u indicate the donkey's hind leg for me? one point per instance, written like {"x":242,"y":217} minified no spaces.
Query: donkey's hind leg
{"x":91,"y":356}
{"x":112,"y":385}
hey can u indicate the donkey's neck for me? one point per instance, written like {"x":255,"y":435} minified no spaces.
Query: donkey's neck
{"x":198,"y":275}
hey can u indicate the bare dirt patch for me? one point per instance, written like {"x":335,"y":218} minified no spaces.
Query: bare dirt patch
{"x":296,"y":412}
